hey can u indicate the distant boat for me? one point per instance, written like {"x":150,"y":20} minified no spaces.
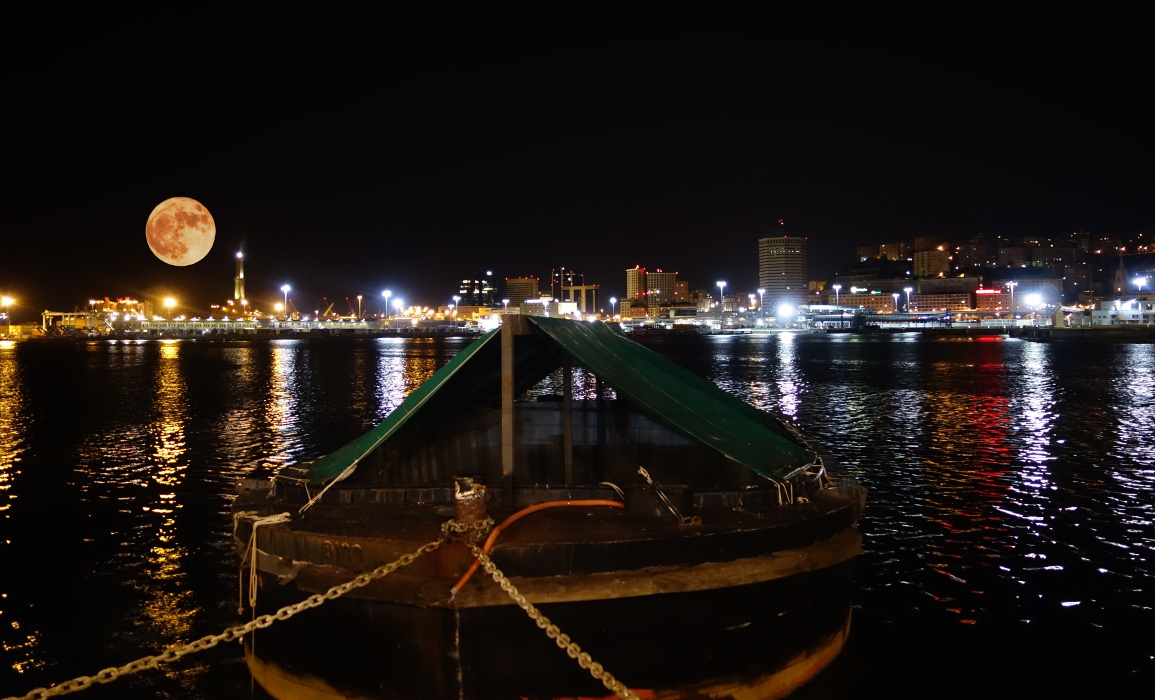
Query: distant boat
{"x":690,"y":544}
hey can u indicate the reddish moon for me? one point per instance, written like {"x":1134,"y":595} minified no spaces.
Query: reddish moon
{"x":180,"y":231}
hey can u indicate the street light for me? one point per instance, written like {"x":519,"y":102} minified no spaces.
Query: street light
{"x":7,"y":301}
{"x":895,"y":295}
{"x":613,"y":304}
{"x":1140,"y":281}
{"x":456,"y":299}
{"x":505,"y":304}
{"x":721,"y":298}
{"x":908,"y":290}
{"x":285,"y":288}
{"x":761,"y":306}
{"x":837,"y":289}
{"x":386,"y":294}
{"x":359,"y":307}
{"x":1011,"y":285}
{"x":169,"y":303}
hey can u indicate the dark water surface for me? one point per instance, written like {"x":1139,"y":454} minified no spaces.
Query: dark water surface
{"x":1009,"y":535}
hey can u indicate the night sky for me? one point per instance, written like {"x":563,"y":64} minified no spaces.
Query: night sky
{"x":407,"y":147}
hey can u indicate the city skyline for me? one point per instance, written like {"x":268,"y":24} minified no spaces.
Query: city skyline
{"x":401,"y":148}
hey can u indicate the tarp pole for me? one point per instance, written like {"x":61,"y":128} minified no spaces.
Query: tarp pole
{"x":507,"y":445}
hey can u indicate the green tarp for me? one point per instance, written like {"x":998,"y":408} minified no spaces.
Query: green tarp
{"x":665,"y":391}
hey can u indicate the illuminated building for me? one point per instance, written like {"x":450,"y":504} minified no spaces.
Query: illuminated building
{"x":660,"y":289}
{"x":239,"y":280}
{"x":782,"y":270}
{"x":479,"y":290}
{"x":519,"y":289}
{"x":635,"y":283}
{"x":931,"y":263}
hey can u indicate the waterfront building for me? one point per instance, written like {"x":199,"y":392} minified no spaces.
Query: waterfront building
{"x":636,"y":283}
{"x":660,"y":289}
{"x":478,"y":290}
{"x":929,"y":303}
{"x":875,"y":300}
{"x":521,"y":289}
{"x":782,"y":270}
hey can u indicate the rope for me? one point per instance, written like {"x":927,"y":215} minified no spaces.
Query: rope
{"x":252,"y":551}
{"x":489,"y":542}
{"x":329,"y":485}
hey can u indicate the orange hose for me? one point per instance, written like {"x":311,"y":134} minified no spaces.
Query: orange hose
{"x":518,"y":516}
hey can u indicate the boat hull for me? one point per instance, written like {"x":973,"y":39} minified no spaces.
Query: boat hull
{"x":758,"y":640}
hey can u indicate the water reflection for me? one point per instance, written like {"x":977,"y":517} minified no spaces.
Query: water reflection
{"x":281,"y":404}
{"x":390,"y":383}
{"x":18,"y":639}
{"x":166,"y":605}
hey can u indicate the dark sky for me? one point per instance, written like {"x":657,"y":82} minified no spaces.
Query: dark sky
{"x":405,"y":147}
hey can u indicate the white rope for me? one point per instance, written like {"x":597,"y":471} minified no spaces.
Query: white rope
{"x":320,"y":493}
{"x":254,"y":552}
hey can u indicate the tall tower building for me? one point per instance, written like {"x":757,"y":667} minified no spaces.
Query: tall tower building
{"x":636,"y":283}
{"x":782,"y":270}
{"x":478,"y":290}
{"x":661,"y":288}
{"x":239,"y":280}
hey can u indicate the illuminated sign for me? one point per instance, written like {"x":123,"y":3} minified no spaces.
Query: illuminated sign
{"x":988,"y":291}
{"x":858,"y":290}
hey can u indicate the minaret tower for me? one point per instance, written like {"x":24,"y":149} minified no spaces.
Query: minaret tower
{"x":239,"y":280}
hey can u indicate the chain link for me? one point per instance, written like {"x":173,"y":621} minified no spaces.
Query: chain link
{"x":233,"y":633}
{"x":552,"y":631}
{"x":475,"y":531}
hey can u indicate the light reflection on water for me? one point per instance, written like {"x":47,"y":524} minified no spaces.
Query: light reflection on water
{"x":1010,"y":484}
{"x":1010,"y":502}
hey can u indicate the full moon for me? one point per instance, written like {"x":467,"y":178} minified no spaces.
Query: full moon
{"x":180,"y":231}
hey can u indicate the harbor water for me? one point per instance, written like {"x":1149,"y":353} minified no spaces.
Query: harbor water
{"x":1008,"y":532}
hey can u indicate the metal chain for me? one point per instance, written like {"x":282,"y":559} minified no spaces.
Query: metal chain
{"x":552,"y":631}
{"x":173,"y":653}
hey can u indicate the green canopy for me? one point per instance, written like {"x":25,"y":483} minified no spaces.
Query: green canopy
{"x":660,"y":388}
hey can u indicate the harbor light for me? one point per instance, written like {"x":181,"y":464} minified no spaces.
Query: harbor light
{"x":169,"y":304}
{"x":285,"y":289}
{"x":613,"y":307}
{"x":7,"y":302}
{"x":785,"y":314}
{"x":1140,"y":281}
